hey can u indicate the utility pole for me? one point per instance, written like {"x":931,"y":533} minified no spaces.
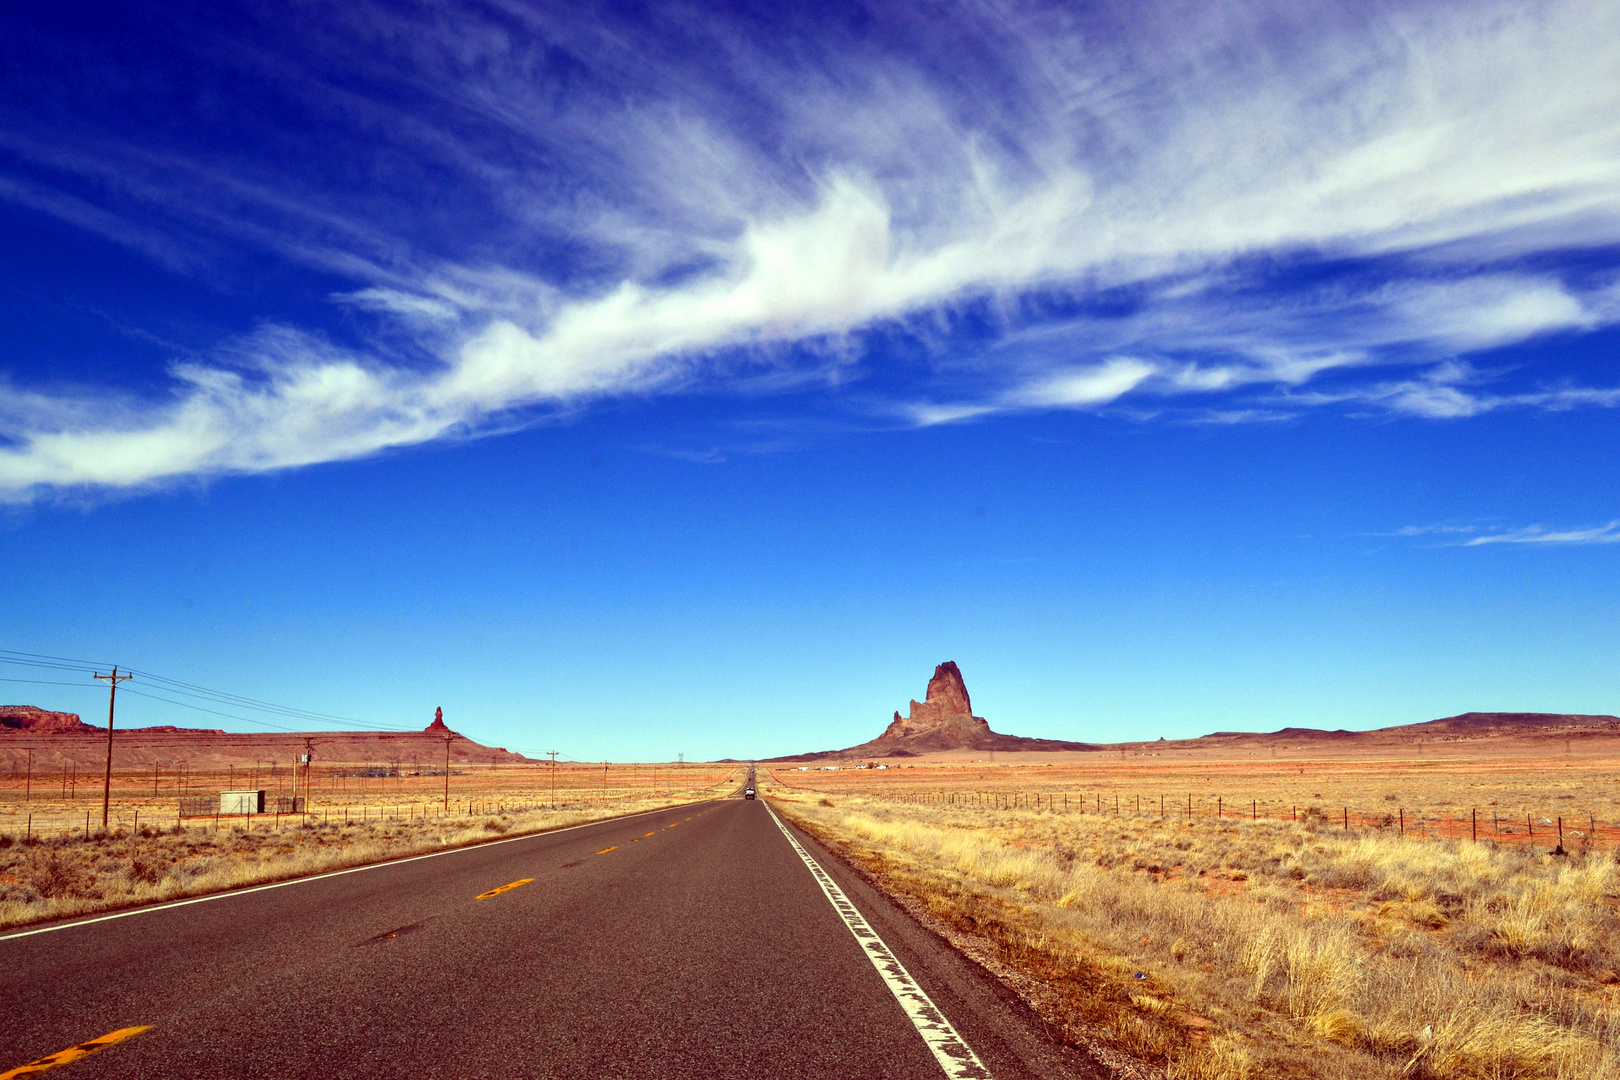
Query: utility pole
{"x":112,"y":699}
{"x":604,"y":779}
{"x":553,"y":755}
{"x":309,"y":763}
{"x":447,"y":739}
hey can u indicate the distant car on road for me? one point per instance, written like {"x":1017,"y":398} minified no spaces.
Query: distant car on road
{"x":748,"y":793}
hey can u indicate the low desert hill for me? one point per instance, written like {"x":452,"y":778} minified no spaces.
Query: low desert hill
{"x":58,"y":739}
{"x":1473,"y":727}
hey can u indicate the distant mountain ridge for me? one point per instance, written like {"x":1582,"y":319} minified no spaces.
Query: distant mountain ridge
{"x":58,"y":738}
{"x":1468,"y":725}
{"x":944,"y":720}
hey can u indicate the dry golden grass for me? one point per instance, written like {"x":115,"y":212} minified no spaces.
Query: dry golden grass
{"x":1433,"y":793}
{"x":68,"y":872}
{"x":1231,"y":948}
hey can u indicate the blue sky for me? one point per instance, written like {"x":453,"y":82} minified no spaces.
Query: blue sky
{"x":653,"y":379}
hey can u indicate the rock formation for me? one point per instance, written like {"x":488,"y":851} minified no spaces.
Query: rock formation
{"x":946,"y":699}
{"x":438,"y":727}
{"x":944,"y":720}
{"x":42,"y":721}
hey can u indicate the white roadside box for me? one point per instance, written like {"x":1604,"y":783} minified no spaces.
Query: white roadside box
{"x":241,"y":802}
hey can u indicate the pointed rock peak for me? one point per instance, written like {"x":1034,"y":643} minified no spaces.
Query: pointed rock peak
{"x":947,"y":691}
{"x":944,"y":721}
{"x":438,"y":725}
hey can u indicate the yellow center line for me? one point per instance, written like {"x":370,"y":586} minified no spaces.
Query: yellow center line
{"x":652,"y":834}
{"x":503,"y":888}
{"x":605,"y":850}
{"x":73,"y":1053}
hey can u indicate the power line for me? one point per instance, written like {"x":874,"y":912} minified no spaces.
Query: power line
{"x":175,"y":686}
{"x":211,"y":712}
{"x":47,"y":656}
{"x":185,"y":689}
{"x":45,"y":682}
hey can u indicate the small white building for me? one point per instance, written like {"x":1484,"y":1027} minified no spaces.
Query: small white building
{"x":241,"y":802}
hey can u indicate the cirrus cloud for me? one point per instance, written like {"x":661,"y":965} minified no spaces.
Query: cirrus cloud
{"x":1253,"y":212}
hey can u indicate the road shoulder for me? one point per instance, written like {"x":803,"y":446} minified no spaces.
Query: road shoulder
{"x":984,"y":997}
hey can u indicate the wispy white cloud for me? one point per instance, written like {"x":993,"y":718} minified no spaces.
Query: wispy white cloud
{"x":1476,"y":535}
{"x":1537,"y":534}
{"x":1109,"y":201}
{"x":1436,"y":530}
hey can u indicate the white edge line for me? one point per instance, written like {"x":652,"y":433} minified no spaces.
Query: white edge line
{"x":166,"y":905}
{"x":949,"y":1048}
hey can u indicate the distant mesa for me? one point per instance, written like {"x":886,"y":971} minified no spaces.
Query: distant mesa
{"x":944,"y":720}
{"x":1475,"y":724}
{"x":55,"y":739}
{"x":1462,"y":728}
{"x":42,"y":721}
{"x":170,"y":729}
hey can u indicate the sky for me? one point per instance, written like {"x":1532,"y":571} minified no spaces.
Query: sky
{"x":642,"y":380}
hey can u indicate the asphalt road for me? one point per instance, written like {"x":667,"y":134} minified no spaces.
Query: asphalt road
{"x":685,"y":943}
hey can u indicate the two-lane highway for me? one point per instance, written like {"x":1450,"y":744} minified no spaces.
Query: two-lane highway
{"x":698,"y":942}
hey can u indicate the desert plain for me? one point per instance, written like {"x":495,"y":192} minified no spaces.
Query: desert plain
{"x":1389,"y":905}
{"x":1386,"y":908}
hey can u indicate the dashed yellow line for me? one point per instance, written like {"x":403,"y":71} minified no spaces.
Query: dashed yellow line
{"x":652,"y":834}
{"x":503,"y":888}
{"x":605,"y":850}
{"x":73,"y":1053}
